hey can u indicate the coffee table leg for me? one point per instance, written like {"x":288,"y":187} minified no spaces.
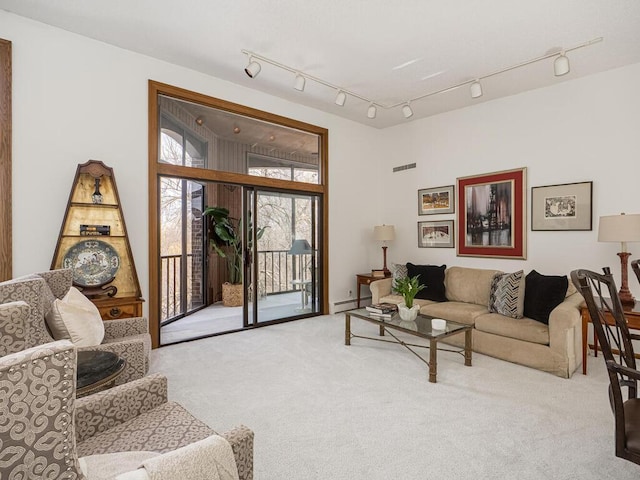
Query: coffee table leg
{"x":381,"y":330}
{"x":433,"y":364}
{"x":467,"y":348}
{"x":347,"y":329}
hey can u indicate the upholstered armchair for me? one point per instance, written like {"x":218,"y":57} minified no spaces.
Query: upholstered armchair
{"x":23,"y":326}
{"x":46,"y":432}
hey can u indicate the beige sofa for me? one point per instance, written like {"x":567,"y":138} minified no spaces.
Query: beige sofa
{"x":554,"y":348}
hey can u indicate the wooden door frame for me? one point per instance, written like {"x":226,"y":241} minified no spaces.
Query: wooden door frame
{"x":6,"y":231}
{"x":156,"y":169}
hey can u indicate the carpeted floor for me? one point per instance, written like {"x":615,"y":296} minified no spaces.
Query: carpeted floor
{"x":322,"y":410}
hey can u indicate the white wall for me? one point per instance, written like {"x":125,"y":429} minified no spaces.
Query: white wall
{"x":580,"y":130}
{"x":76,"y":99}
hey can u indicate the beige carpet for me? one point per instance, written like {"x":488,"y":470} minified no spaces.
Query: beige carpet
{"x":322,"y":410}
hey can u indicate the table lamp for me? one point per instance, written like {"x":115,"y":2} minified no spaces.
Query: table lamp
{"x":621,"y":228}
{"x":384,"y":234}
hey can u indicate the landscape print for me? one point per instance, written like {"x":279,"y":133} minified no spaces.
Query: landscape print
{"x":436,"y":200}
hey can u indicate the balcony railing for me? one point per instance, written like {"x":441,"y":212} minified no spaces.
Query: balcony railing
{"x":276,"y":270}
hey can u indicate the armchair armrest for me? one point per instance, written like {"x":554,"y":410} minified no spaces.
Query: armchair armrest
{"x":14,"y":331}
{"x":623,"y":370}
{"x":125,"y":327}
{"x":241,"y":440}
{"x":380,"y":288}
{"x":101,"y":411}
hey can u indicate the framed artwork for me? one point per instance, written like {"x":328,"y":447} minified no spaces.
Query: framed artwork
{"x":492,"y":214}
{"x":436,"y":234}
{"x":562,"y":207}
{"x":436,"y":200}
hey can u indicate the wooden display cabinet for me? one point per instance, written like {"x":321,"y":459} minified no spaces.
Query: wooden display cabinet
{"x":93,"y":242}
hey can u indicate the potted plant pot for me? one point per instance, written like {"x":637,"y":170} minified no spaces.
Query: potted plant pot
{"x":408,"y":314}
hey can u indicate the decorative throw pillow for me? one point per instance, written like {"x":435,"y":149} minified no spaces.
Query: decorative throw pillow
{"x":542,"y":294}
{"x":432,"y":277}
{"x":398,"y":270}
{"x":75,"y":317}
{"x":507,"y":294}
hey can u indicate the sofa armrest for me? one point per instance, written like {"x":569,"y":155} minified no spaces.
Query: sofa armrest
{"x":380,"y":288}
{"x":14,"y":331}
{"x":125,"y":327}
{"x":241,"y":440}
{"x":563,"y":318}
{"x":101,"y":411}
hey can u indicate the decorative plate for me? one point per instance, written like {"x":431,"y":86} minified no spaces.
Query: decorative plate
{"x":94,"y":262}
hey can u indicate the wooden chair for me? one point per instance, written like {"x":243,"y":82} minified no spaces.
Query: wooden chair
{"x":635,"y":266}
{"x":609,"y":323}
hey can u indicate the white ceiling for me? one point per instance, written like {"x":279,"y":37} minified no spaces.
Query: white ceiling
{"x":356,"y":44}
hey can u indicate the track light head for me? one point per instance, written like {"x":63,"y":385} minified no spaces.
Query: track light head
{"x":372,"y":111}
{"x":476,"y":89}
{"x":561,"y":65}
{"x":253,"y":69}
{"x":406,"y":110}
{"x":341,"y":98}
{"x":299,"y":82}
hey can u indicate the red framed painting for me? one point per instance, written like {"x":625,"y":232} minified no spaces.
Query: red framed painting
{"x":492,"y":214}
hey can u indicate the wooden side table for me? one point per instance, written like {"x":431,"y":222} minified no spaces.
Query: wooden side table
{"x":112,"y":308}
{"x":364,"y":279}
{"x":633,"y":322}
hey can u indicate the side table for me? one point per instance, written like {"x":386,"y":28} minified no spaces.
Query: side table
{"x":633,"y":322}
{"x":97,"y":370}
{"x":364,"y":279}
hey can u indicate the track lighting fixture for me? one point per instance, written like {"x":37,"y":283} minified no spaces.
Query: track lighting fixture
{"x":253,"y":69}
{"x":476,"y":89}
{"x":299,"y":82}
{"x":561,"y":65}
{"x":372,"y":111}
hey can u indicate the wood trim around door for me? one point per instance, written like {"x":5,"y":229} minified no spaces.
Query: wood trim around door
{"x":156,"y":169}
{"x":6,"y":231}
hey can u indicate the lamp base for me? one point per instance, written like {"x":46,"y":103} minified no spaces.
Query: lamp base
{"x":626,"y":299}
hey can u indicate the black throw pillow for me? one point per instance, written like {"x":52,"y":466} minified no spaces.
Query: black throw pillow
{"x":543,"y":293}
{"x":432,"y":277}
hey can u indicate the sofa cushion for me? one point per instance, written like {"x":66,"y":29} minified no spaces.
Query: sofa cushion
{"x":398,"y":270}
{"x":397,"y":299}
{"x":507,"y":294}
{"x":543,"y":293}
{"x":432,"y":277}
{"x":524,"y":329}
{"x":457,"y":311}
{"x":469,"y":285}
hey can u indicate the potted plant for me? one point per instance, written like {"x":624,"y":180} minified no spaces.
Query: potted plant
{"x":408,"y":287}
{"x":226,"y":239}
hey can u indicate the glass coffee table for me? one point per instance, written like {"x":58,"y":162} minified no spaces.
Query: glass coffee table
{"x":421,"y":328}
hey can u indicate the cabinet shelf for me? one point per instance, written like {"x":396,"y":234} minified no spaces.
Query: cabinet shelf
{"x":114,"y":258}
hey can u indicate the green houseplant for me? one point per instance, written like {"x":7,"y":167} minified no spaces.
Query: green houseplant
{"x":226,"y":239}
{"x":408,"y":287}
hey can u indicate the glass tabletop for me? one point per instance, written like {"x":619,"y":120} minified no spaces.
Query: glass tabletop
{"x":421,"y":326}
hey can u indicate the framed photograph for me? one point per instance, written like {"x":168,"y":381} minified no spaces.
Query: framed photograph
{"x":492,"y":214}
{"x":436,"y":234}
{"x":436,"y":200}
{"x":562,"y":207}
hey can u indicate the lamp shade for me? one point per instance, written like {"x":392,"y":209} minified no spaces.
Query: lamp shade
{"x":384,"y":233}
{"x":300,"y":247}
{"x":619,"y":228}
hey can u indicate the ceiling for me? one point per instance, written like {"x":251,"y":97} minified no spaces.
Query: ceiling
{"x":384,"y":51}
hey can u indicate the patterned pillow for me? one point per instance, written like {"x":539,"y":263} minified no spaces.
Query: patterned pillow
{"x":507,"y":294}
{"x":398,"y":270}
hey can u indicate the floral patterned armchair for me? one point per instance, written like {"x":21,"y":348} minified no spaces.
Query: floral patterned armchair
{"x":46,"y":432}
{"x":24,"y":326}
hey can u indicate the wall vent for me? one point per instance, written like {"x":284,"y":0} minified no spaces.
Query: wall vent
{"x":404,"y":167}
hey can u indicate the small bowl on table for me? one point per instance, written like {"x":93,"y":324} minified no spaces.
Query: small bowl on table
{"x":438,"y":324}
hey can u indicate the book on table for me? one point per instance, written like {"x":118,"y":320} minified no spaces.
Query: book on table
{"x":382,"y":308}
{"x":381,"y":315}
